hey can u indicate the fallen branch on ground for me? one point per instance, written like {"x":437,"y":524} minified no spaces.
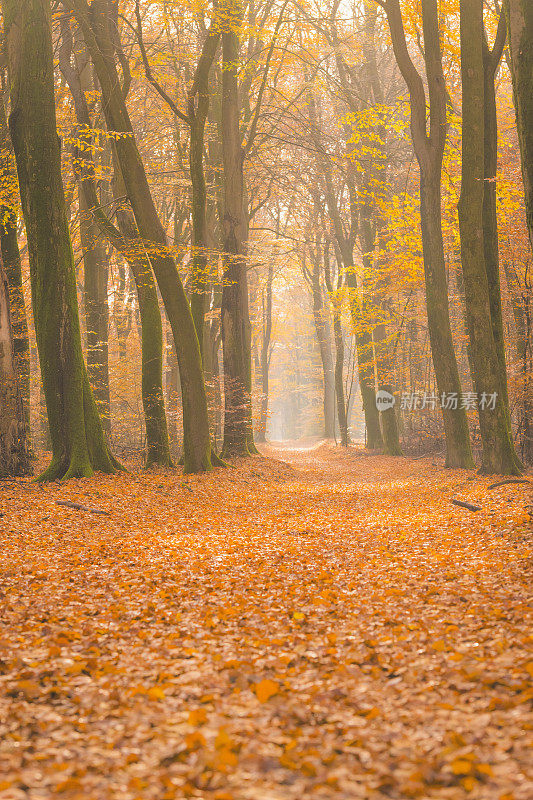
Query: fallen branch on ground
{"x":80,"y":507}
{"x":509,"y":480}
{"x":469,"y":506}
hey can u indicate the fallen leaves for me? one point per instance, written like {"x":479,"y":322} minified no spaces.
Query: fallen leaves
{"x":192,"y":646}
{"x":266,"y":689}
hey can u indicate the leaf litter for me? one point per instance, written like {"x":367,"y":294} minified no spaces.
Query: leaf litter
{"x":328,"y":628}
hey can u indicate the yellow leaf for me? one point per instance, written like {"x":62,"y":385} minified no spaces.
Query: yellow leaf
{"x":439,"y":645}
{"x":30,"y":689}
{"x":298,"y":616}
{"x":156,"y":693}
{"x":266,"y":689}
{"x":194,"y":740}
{"x":227,"y":758}
{"x":197,"y":716}
{"x":68,"y":785}
{"x":461,"y":766}
{"x":223,"y":739}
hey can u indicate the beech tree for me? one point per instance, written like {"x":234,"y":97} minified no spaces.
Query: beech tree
{"x":95,"y":25}
{"x":78,"y":442}
{"x":429,"y":150}
{"x":498,"y":448}
{"x":519,"y":15}
{"x":14,"y":453}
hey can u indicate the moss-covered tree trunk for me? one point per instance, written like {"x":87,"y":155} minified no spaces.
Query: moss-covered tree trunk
{"x":498,"y":450}
{"x":519,"y":15}
{"x":93,"y":225}
{"x":235,"y":318}
{"x":78,"y":442}
{"x":95,"y":25}
{"x":14,"y":452}
{"x":10,"y":252}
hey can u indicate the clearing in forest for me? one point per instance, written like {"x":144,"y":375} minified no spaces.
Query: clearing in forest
{"x":331,"y":627}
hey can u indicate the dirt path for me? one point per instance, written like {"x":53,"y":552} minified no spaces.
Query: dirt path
{"x":329,"y":628}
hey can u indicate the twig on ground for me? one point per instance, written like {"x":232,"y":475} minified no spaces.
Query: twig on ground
{"x":469,"y":506}
{"x":80,"y":507}
{"x":509,"y":480}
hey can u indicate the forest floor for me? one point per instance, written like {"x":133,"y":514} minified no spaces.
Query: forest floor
{"x":329,"y":627}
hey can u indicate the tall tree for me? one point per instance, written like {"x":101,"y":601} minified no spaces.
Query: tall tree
{"x":14,"y":455}
{"x":9,"y":248}
{"x":498,"y":449}
{"x":429,"y":150}
{"x":125,"y":240}
{"x":519,"y":14}
{"x":94,"y":21}
{"x":313,"y":276}
{"x":78,"y":443}
{"x":491,"y":61}
{"x":235,"y":317}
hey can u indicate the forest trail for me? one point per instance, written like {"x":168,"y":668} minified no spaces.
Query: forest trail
{"x":330,"y":627}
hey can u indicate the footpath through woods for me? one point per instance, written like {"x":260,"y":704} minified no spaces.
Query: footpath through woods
{"x":331,"y":627}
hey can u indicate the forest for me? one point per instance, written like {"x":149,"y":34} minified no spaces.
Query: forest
{"x":266,"y":399}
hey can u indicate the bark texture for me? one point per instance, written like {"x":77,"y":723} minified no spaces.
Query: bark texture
{"x":78,"y":444}
{"x":95,"y":25}
{"x":519,"y":14}
{"x":14,"y":455}
{"x":498,"y":449}
{"x":429,"y":150}
{"x":235,"y":317}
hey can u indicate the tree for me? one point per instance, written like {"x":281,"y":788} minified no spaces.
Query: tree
{"x":95,"y":25}
{"x":429,"y":150}
{"x":10,"y":251}
{"x":498,"y":449}
{"x":235,"y":318}
{"x":14,"y":455}
{"x":519,"y":15}
{"x":93,"y":225}
{"x":78,"y":444}
{"x":321,"y":323}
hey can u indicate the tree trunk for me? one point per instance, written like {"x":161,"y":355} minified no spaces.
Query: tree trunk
{"x":94,"y":22}
{"x":157,"y":441}
{"x":235,"y":319}
{"x":523,"y":317}
{"x":498,"y":450}
{"x":323,"y":338}
{"x":519,"y":15}
{"x":14,"y":455}
{"x":429,"y":150}
{"x":78,"y":443}
{"x":10,"y":252}
{"x":458,"y":452}
{"x":491,"y":60}
{"x":96,"y":273}
{"x":265,"y":353}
